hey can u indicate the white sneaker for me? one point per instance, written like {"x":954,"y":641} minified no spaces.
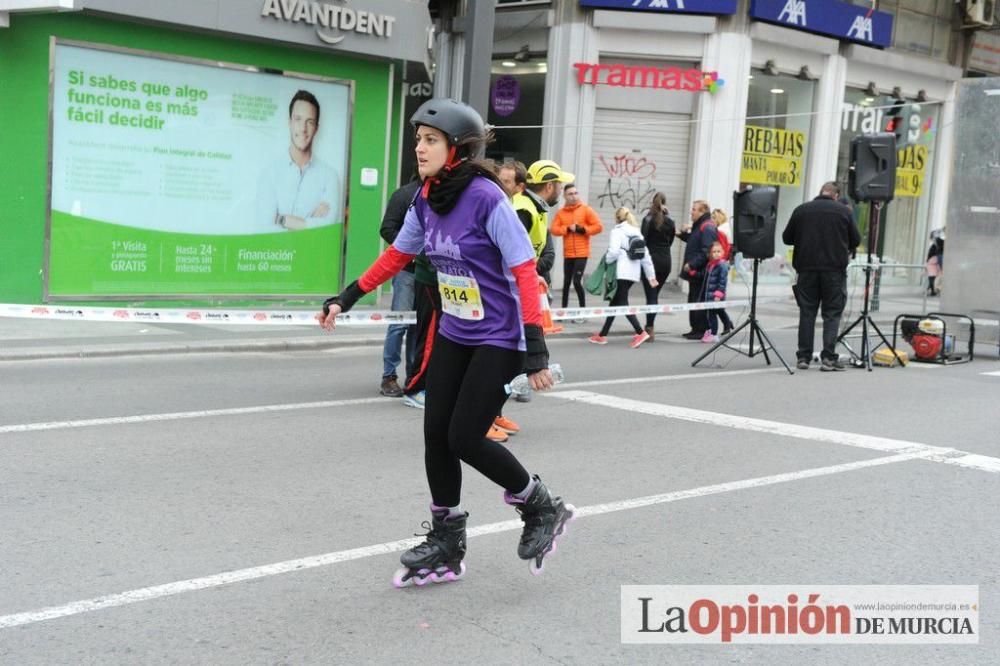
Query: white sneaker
{"x":416,"y":400}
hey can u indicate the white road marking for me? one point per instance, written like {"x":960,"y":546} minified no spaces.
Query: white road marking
{"x":302,"y":564}
{"x":174,"y":416}
{"x":992,"y":374}
{"x":237,"y":411}
{"x":356,"y":349}
{"x":665,"y":378}
{"x":941,"y":454}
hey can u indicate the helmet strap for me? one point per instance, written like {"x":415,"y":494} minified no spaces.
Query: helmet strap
{"x":452,"y":162}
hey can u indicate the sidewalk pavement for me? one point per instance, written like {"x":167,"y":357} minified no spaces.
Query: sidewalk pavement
{"x":33,"y":339}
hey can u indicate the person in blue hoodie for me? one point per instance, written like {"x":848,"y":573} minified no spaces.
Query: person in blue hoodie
{"x":716,"y":281}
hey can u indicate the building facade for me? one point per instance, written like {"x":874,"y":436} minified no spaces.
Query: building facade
{"x":697,"y":98}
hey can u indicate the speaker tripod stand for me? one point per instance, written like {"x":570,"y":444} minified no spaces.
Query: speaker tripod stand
{"x":864,"y":359}
{"x":755,"y":331}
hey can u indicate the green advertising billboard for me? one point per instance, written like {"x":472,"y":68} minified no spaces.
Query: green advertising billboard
{"x":174,"y":176}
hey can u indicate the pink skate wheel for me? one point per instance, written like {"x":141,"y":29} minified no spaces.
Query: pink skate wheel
{"x":399,"y":579}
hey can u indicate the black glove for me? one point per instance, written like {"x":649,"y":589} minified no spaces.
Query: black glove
{"x":345,"y":299}
{"x":537,"y":353}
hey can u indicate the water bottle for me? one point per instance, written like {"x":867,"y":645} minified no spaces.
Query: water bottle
{"x":521,"y":385}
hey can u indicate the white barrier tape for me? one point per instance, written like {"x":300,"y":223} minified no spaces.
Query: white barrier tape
{"x":562,"y":314}
{"x":307,"y":317}
{"x":202,"y":316}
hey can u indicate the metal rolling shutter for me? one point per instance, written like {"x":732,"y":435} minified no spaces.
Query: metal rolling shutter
{"x":631,"y":161}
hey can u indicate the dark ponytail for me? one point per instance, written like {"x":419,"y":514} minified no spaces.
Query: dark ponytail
{"x":656,"y":210}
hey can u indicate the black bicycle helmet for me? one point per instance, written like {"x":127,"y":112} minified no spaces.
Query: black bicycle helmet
{"x":457,"y":120}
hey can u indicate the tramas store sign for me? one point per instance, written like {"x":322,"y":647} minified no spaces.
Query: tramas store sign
{"x":666,"y":6}
{"x":638,"y":76}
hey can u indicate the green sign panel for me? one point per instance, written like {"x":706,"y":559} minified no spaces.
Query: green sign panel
{"x":181,"y":178}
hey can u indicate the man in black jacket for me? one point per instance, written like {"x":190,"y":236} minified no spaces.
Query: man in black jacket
{"x":699,"y":238}
{"x":824,"y":235}
{"x":402,"y":296}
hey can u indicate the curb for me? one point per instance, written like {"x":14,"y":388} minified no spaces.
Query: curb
{"x":206,"y":347}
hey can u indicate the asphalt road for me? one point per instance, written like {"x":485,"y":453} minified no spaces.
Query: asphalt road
{"x":129,"y":486}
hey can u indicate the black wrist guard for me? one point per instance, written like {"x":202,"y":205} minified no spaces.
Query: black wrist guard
{"x":537,"y":353}
{"x":345,"y":299}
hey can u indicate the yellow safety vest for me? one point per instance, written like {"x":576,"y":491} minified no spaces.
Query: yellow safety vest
{"x":539,"y":221}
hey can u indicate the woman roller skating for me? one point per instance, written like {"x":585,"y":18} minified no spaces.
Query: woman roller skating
{"x":490,"y":331}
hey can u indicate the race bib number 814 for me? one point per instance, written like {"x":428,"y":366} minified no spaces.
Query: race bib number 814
{"x":460,"y":297}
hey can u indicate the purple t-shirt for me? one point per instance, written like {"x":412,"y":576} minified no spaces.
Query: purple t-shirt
{"x":473,"y":248}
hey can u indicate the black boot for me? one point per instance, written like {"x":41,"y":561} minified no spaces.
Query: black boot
{"x":439,"y":558}
{"x":544,"y":518}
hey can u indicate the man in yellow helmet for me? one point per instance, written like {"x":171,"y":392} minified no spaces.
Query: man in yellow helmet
{"x":545,"y":184}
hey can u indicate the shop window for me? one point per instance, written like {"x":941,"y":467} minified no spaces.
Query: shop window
{"x":905,"y":224}
{"x":517,"y":93}
{"x":416,"y":89}
{"x":784,"y":103}
{"x":915,"y":32}
{"x":521,"y":3}
{"x":919,"y":26}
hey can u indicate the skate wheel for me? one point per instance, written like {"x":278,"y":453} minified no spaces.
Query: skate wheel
{"x":447,"y":575}
{"x":536,"y":566}
{"x":402,"y":579}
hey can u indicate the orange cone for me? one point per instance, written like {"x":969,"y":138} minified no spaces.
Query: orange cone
{"x":548,"y":326}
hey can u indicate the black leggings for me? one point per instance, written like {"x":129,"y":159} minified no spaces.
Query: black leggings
{"x":621,"y":298}
{"x":464,"y":395}
{"x":653,"y":293}
{"x":574,"y":268}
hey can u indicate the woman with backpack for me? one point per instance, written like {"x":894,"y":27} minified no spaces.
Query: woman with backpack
{"x":627,"y":251}
{"x":658,"y":231}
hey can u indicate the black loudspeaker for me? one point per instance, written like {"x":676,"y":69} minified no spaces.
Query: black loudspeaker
{"x":755,"y":215}
{"x":872,"y":176}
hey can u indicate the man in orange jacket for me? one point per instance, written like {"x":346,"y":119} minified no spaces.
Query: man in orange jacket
{"x":576,"y":222}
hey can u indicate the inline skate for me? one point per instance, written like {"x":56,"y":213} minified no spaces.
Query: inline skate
{"x":439,"y":558}
{"x":545,"y":518}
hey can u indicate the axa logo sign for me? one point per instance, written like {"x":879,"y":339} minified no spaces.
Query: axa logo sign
{"x":835,"y":18}
{"x":659,"y":4}
{"x":861,"y":29}
{"x":720,"y":7}
{"x":794,"y":12}
{"x":332,"y":22}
